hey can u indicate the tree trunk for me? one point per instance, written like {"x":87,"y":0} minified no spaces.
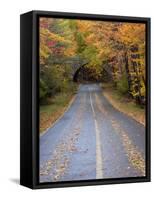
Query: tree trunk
{"x":127,"y":72}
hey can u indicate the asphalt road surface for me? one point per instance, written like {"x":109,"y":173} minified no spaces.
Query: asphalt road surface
{"x":92,"y":140}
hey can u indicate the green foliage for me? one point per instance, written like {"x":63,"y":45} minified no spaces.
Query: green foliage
{"x":43,"y":89}
{"x":55,"y":79}
{"x":80,"y":42}
{"x":122,"y":85}
{"x":90,"y":53}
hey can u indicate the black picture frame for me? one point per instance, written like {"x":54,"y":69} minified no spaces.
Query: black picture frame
{"x":29,"y":98}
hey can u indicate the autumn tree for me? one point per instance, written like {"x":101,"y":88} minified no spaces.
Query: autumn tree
{"x":112,"y":49}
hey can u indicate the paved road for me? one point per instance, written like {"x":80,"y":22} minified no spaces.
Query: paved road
{"x":92,"y":140}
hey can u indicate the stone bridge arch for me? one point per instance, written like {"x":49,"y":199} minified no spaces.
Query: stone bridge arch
{"x":76,"y":73}
{"x":106,"y":74}
{"x":77,"y":64}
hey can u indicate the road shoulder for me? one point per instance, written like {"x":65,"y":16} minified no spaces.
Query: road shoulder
{"x":124,"y":105}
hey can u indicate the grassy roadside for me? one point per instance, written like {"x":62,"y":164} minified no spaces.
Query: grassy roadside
{"x":124,"y":104}
{"x":50,"y":113}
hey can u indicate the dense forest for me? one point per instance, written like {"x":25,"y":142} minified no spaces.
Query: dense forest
{"x":81,"y":50}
